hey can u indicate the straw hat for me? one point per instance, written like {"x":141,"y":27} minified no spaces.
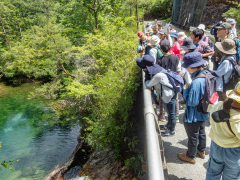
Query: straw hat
{"x":235,"y":93}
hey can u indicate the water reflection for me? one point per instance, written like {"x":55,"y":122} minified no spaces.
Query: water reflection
{"x":32,"y":133}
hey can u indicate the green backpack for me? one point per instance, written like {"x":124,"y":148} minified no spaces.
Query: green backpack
{"x":159,"y":53}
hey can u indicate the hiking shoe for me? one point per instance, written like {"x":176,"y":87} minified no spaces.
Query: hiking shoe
{"x":201,"y":154}
{"x":177,"y":119}
{"x":163,"y":127}
{"x":184,"y":157}
{"x":162,"y":118}
{"x":168,"y":133}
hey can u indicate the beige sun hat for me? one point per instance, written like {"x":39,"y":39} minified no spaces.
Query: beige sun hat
{"x":154,"y":40}
{"x":181,"y":36}
{"x":235,"y":93}
{"x":227,"y":46}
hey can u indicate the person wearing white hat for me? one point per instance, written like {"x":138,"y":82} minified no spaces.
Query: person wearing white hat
{"x":233,"y":31}
{"x":205,"y":38}
{"x":154,"y":43}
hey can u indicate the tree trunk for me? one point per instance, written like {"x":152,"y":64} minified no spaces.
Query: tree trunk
{"x":131,"y":8}
{"x":137,"y":14}
{"x":96,"y":19}
{"x":20,"y":29}
{"x":6,"y":35}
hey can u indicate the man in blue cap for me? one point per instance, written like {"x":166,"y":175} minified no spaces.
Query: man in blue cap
{"x":168,"y":95}
{"x":147,"y":64}
{"x":194,"y":121}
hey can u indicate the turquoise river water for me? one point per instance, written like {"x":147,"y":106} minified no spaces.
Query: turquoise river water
{"x":27,"y":134}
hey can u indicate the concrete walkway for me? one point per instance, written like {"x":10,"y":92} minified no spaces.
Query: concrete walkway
{"x":177,"y":143}
{"x":177,"y":169}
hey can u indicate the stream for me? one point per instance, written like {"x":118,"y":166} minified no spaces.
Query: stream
{"x":31,"y":132}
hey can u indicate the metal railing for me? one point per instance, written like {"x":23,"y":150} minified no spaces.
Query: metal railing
{"x":153,"y":141}
{"x":154,"y":147}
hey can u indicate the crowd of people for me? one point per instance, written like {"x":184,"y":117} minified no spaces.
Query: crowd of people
{"x":168,"y":55}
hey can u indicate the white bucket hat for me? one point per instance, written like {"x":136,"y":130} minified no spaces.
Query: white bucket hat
{"x":231,"y":21}
{"x":181,"y":36}
{"x":201,"y":26}
{"x":154,"y":40}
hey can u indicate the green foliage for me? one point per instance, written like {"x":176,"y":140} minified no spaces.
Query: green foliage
{"x":161,"y":9}
{"x":234,"y":13}
{"x":6,"y":164}
{"x":53,"y":41}
{"x":135,"y":163}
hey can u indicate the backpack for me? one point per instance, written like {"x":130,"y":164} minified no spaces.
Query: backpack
{"x":237,"y":43}
{"x":234,"y":78}
{"x":210,"y":95}
{"x":210,"y":43}
{"x":176,"y":81}
{"x":159,"y":53}
{"x":213,"y":30}
{"x":222,"y":116}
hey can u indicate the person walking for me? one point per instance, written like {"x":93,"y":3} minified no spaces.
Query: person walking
{"x":194,"y":121}
{"x":224,"y":157}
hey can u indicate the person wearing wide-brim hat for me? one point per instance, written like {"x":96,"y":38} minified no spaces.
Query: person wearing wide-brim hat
{"x":188,"y":45}
{"x":233,"y":31}
{"x":194,"y":121}
{"x":154,"y":43}
{"x":225,"y":67}
{"x":224,"y":154}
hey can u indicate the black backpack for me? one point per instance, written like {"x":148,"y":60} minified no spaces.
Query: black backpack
{"x":234,"y":78}
{"x":222,"y":116}
{"x":210,"y":95}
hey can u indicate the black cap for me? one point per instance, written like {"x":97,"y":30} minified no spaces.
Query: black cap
{"x":165,"y":45}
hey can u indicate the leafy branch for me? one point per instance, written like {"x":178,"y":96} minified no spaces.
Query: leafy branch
{"x":7,"y":164}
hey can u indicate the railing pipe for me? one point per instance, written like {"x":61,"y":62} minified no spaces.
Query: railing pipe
{"x":153,"y":159}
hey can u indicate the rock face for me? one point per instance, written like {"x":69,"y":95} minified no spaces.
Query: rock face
{"x":78,"y":158}
{"x":187,"y":13}
{"x":213,"y":14}
{"x":102,"y":165}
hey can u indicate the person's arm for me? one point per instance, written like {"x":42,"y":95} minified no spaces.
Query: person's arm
{"x":179,"y":67}
{"x":223,"y":68}
{"x":207,"y":54}
{"x":154,"y":81}
{"x":208,"y":51}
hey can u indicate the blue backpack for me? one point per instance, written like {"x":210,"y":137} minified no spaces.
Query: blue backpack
{"x":237,"y":43}
{"x":213,"y":30}
{"x":176,"y":80}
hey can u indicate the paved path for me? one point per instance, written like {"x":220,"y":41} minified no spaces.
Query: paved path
{"x":177,"y":143}
{"x":176,"y":168}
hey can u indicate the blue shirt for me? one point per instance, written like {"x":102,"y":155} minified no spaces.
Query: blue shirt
{"x":225,"y":70}
{"x":193,"y":95}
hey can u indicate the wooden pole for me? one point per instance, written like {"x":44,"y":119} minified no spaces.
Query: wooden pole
{"x":137,"y":14}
